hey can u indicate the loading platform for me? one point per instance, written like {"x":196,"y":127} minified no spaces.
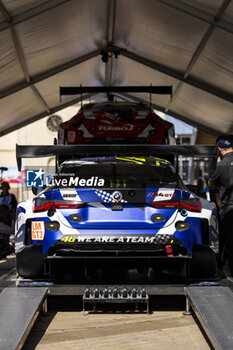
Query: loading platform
{"x":19,"y":308}
{"x":22,"y":300}
{"x":213,"y":307}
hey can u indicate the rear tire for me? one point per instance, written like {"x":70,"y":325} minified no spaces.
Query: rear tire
{"x":203,"y":262}
{"x":29,"y":262}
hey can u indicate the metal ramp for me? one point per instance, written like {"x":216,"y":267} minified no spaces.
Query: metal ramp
{"x":19,"y":308}
{"x":213,"y":307}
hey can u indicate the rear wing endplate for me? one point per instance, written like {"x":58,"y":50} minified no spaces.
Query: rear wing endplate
{"x":78,"y":151}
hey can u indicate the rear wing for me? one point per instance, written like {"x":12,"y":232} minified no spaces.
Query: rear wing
{"x":78,"y":90}
{"x":79,"y":151}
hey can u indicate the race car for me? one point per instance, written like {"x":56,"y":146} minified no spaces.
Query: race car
{"x":116,"y":122}
{"x":123,"y":211}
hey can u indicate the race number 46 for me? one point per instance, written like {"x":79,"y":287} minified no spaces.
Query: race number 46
{"x":38,"y":230}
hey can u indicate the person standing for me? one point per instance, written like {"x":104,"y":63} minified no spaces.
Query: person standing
{"x":6,"y":231}
{"x":200,"y":192}
{"x":222,"y":181}
{"x":9,"y":199}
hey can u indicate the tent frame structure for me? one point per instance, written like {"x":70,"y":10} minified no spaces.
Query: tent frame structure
{"x":112,"y":50}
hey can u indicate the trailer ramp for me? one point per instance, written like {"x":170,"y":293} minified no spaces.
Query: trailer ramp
{"x":213,"y":307}
{"x":19,"y":308}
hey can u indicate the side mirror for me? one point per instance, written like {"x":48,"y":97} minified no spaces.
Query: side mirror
{"x":193,"y":188}
{"x":36,"y":190}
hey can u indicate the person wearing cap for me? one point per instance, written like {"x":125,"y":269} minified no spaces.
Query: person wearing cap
{"x":222,"y":180}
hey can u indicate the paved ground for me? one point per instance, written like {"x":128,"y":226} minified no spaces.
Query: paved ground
{"x":7,"y":264}
{"x":71,"y":330}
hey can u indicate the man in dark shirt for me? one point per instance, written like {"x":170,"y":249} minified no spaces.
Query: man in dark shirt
{"x":9,"y":199}
{"x":222,"y":179}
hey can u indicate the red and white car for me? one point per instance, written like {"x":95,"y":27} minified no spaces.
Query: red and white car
{"x":116,"y":122}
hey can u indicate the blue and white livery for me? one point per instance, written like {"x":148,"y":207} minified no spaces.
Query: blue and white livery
{"x":139,"y":212}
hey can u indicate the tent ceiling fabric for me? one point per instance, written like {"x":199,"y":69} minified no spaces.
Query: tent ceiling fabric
{"x":183,"y":43}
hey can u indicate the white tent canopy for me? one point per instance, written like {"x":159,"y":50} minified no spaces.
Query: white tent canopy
{"x":187,"y":44}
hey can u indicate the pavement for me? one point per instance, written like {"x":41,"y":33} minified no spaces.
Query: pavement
{"x":127,"y":331}
{"x":7,"y":264}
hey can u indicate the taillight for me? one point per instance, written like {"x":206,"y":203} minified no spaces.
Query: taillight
{"x":165,"y":205}
{"x":43,"y":204}
{"x":192,"y":204}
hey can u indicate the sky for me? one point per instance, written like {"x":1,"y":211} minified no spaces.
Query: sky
{"x":180,"y":127}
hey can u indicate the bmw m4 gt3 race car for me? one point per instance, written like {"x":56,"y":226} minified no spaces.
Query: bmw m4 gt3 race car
{"x":116,"y":121}
{"x":131,"y":211}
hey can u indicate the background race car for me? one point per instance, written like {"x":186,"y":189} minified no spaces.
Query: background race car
{"x":116,"y":122}
{"x":134,"y":212}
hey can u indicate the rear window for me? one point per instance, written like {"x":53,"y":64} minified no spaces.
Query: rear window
{"x":124,"y":174}
{"x":118,"y":110}
{"x":116,"y":107}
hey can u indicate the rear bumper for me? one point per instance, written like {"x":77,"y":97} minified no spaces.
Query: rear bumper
{"x":154,"y":246}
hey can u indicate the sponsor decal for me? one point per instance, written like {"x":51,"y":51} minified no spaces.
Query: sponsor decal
{"x":71,"y":136}
{"x":126,"y":127}
{"x":106,"y":197}
{"x":70,"y":195}
{"x":117,"y":183}
{"x":161,"y":194}
{"x":38,"y":230}
{"x":117,"y":196}
{"x":109,"y":239}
